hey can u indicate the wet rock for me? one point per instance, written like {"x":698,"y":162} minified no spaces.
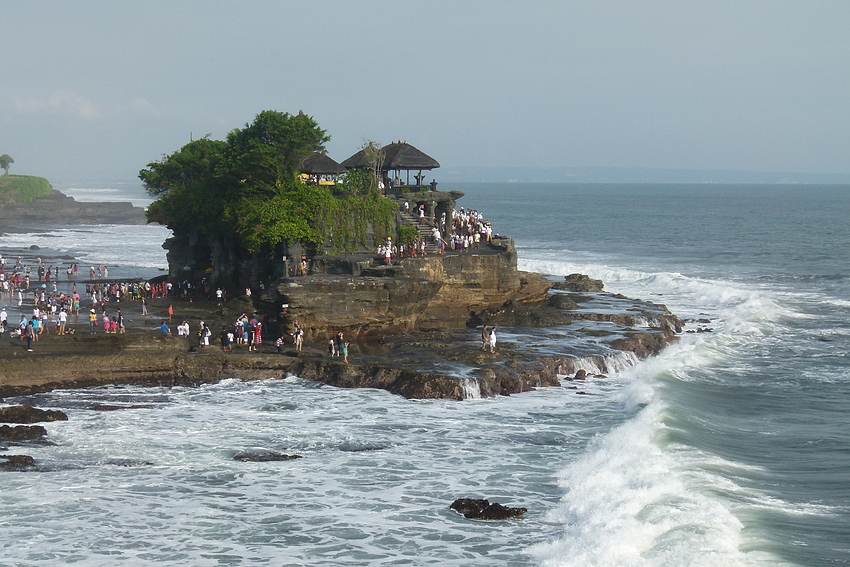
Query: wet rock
{"x":107,"y":407}
{"x":21,"y":432}
{"x":579,"y":282}
{"x":580,"y":375}
{"x":562,"y":301}
{"x":512,"y":315}
{"x":263,"y":457}
{"x":28,"y":414}
{"x":16,"y":462}
{"x":482,"y":509}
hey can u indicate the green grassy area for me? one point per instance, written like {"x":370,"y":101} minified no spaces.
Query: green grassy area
{"x":15,"y":189}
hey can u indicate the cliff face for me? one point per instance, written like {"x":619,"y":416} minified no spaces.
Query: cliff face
{"x":430,"y":292}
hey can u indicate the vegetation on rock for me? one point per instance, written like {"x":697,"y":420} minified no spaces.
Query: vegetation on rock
{"x":17,"y":189}
{"x":248,"y":188}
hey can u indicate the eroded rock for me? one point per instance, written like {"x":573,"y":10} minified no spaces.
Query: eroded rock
{"x":482,"y":509}
{"x":262,"y":457}
{"x":16,"y":462}
{"x":579,"y":282}
{"x":21,"y":432}
{"x":28,"y":414}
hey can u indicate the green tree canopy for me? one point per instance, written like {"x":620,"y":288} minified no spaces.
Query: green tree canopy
{"x":248,"y":186}
{"x":5,"y":161}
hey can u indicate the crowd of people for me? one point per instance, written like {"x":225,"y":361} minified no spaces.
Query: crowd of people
{"x":464,"y":231}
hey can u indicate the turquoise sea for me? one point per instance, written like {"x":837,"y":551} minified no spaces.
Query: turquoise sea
{"x":731,"y":448}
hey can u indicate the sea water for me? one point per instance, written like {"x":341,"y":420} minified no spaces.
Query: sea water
{"x":730,"y":448}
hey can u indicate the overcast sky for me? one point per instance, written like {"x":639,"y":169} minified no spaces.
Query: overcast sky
{"x":99,"y":89}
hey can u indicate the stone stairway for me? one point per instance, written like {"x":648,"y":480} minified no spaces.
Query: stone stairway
{"x":426,"y":230}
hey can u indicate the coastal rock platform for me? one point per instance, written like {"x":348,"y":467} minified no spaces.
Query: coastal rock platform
{"x":437,"y":363}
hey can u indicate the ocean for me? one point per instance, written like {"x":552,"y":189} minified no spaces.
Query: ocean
{"x":731,"y":448}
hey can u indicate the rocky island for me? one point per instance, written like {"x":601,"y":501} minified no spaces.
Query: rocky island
{"x":269,"y":227}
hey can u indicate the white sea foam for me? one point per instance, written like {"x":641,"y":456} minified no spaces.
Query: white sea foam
{"x":130,"y":246}
{"x":629,"y":502}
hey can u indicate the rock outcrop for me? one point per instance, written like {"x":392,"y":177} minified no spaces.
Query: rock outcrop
{"x":21,"y":432}
{"x":579,"y":282}
{"x":362,"y":298}
{"x":482,"y":509}
{"x":27,"y":414}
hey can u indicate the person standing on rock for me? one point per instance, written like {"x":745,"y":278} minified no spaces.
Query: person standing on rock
{"x":340,"y":341}
{"x":30,"y":333}
{"x":345,"y":352}
{"x":63,"y":318}
{"x":493,"y":339}
{"x":299,"y":338}
{"x":331,"y":347}
{"x":485,"y":337}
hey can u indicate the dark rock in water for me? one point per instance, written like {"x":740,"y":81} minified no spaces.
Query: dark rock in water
{"x":562,"y":301}
{"x":27,"y":414}
{"x":580,"y":375}
{"x":468,"y":506}
{"x":512,"y":315}
{"x":482,"y":509}
{"x":263,"y":457}
{"x":35,"y":247}
{"x":16,"y":462}
{"x":107,"y":407}
{"x":21,"y":432}
{"x":579,"y":282}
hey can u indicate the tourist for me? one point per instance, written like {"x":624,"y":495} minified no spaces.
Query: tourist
{"x":340,"y":341}
{"x":493,"y":339}
{"x":31,"y":335}
{"x":4,"y":319}
{"x":279,"y":344}
{"x":485,"y":337}
{"x":120,"y":322}
{"x":164,"y":328}
{"x":144,"y":307}
{"x":63,"y":318}
{"x":345,"y":352}
{"x":331,"y":347}
{"x":93,"y":321}
{"x":252,"y":335}
{"x":299,"y":337}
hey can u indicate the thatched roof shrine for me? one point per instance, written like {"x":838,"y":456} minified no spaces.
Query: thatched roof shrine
{"x":398,"y":156}
{"x":320,"y":164}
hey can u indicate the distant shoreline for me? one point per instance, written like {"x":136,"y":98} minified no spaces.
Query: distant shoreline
{"x":60,"y":209}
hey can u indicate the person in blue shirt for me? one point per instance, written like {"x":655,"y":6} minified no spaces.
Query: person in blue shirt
{"x":164,"y":328}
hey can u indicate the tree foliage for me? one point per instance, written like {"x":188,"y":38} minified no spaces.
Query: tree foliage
{"x":5,"y":161}
{"x":248,"y":186}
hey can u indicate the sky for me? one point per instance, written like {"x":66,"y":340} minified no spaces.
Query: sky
{"x":97,"y":90}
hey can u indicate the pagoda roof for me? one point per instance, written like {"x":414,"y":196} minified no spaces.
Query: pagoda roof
{"x":320,"y":164}
{"x":397,"y":156}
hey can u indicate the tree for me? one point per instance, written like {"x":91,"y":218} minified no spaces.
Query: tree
{"x":246,"y":186}
{"x":5,"y":161}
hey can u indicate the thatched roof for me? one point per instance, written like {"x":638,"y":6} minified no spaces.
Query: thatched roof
{"x":320,"y":164}
{"x":397,"y":156}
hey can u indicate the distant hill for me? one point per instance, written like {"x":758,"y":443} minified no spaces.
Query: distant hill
{"x":17,"y":189}
{"x":630,"y":175}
